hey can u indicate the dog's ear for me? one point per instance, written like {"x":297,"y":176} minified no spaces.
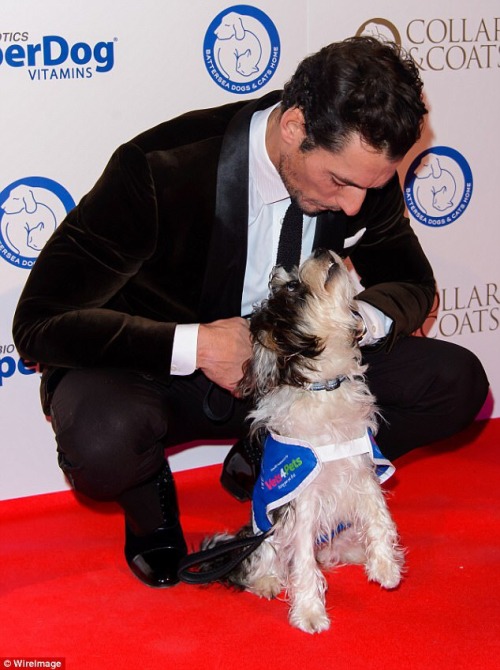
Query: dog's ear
{"x":284,"y":350}
{"x":260,"y":373}
{"x":246,"y":385}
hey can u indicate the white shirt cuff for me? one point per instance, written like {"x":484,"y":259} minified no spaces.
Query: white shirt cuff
{"x":377,"y":323}
{"x":184,"y":349}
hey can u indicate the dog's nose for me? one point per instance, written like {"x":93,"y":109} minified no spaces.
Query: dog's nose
{"x":323,"y":253}
{"x":319,"y":253}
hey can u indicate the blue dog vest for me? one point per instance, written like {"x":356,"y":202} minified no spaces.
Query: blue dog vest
{"x":288,"y":466}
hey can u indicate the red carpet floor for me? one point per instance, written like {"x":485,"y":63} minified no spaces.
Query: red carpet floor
{"x":67,"y":593}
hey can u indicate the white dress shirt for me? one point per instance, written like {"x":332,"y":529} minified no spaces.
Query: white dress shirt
{"x":268,"y":201}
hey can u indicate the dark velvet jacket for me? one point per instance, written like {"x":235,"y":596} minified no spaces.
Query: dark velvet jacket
{"x":161,"y":239}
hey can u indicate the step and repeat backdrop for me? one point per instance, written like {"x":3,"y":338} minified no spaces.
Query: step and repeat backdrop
{"x":79,"y":79}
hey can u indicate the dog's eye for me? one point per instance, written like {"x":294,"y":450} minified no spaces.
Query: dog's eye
{"x":292,"y":285}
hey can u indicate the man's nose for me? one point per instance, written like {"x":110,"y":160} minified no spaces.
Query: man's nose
{"x":351,"y":199}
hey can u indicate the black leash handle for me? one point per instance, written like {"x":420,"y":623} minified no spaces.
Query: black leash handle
{"x":247,"y":545}
{"x":209,"y":413}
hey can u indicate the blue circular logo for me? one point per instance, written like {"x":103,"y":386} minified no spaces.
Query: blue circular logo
{"x":30,"y":210}
{"x":438,"y":186}
{"x":241,"y":49}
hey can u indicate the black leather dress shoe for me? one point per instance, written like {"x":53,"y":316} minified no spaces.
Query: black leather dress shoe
{"x":154,"y":553}
{"x":155,"y":558}
{"x":241,"y":468}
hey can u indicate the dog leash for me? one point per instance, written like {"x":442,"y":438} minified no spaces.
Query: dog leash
{"x":209,"y":413}
{"x":207,"y":409}
{"x":190,"y":571}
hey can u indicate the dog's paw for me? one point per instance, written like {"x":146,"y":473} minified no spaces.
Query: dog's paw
{"x":310,"y":619}
{"x":266,"y":587}
{"x":386,"y":572}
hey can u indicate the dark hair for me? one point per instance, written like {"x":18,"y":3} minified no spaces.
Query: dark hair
{"x":360,"y":85}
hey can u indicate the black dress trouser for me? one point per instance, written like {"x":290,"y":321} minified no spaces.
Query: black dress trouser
{"x":112,"y":426}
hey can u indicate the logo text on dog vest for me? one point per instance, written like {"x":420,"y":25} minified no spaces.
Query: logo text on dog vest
{"x":286,"y":471}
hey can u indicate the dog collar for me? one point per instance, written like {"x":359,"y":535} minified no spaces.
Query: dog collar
{"x":326,"y":385}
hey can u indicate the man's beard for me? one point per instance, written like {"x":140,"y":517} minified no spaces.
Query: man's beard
{"x":285,"y":173}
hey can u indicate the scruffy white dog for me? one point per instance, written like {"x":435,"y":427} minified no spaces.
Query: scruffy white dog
{"x":311,"y":397}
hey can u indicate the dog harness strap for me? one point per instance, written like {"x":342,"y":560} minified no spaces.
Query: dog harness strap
{"x":289,"y":465}
{"x":383,"y":466}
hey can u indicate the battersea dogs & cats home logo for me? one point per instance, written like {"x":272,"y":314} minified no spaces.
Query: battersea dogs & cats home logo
{"x":30,"y":210}
{"x":438,"y":186}
{"x":241,"y":49}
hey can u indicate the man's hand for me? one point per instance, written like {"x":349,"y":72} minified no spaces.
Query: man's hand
{"x":223,"y":347}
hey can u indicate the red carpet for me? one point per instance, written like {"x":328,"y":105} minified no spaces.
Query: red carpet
{"x":66,"y":592}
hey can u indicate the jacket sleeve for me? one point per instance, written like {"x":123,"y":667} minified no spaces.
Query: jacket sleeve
{"x":396,"y":276}
{"x":62,"y":317}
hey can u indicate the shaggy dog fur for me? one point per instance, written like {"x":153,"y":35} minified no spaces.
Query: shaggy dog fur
{"x":305,"y":332}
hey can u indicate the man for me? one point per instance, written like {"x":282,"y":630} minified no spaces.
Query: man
{"x":182,"y":229}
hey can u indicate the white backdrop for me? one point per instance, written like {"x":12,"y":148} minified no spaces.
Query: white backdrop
{"x":78,"y":79}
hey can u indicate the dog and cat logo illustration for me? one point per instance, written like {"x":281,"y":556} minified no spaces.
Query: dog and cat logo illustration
{"x":30,"y":210}
{"x":237,"y":50}
{"x":438,"y":186}
{"x":242,"y":49}
{"x":28,"y":223}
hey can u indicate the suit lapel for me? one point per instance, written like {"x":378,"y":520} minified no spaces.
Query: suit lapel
{"x":223,"y":283}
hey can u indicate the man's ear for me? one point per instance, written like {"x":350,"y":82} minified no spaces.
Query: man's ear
{"x":292,"y":126}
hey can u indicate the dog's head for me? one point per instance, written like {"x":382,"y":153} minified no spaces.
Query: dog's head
{"x":230,"y":26}
{"x":305,"y":329}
